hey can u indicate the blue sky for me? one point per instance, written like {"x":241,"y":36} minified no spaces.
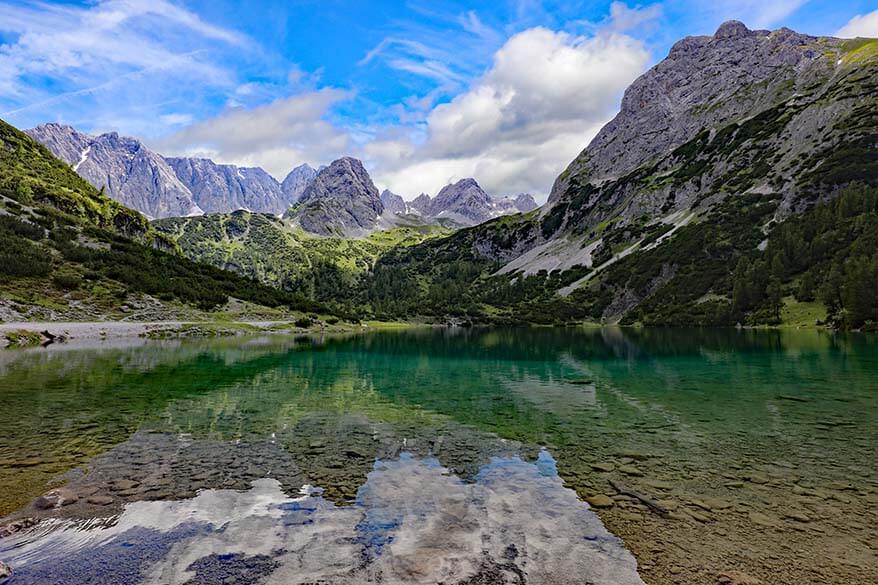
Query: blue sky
{"x":425,"y":92}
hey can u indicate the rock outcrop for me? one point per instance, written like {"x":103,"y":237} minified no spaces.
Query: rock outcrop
{"x":340,"y":201}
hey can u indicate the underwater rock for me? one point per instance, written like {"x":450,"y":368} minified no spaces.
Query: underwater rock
{"x":600,"y":501}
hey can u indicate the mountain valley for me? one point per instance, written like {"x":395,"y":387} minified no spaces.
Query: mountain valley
{"x":751,"y":133}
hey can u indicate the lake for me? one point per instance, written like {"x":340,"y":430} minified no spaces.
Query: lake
{"x":444,"y":456}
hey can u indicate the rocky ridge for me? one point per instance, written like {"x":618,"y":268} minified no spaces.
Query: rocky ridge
{"x":161,"y":187}
{"x":464,"y":203}
{"x":129,"y":172}
{"x":221,"y":188}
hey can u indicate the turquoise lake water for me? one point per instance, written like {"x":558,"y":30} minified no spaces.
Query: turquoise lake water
{"x":426,"y":456}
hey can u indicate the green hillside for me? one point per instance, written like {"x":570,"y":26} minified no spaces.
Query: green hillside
{"x":265,"y":248}
{"x":63,"y":243}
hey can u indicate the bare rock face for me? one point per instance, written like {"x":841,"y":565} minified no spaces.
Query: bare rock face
{"x":705,"y":82}
{"x":421,"y":204}
{"x":220,"y":188}
{"x":393,"y":203}
{"x":129,"y":172}
{"x":340,"y":201}
{"x":295,"y":183}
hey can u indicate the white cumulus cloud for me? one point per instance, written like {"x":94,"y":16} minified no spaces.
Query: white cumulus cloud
{"x":544,"y":98}
{"x":864,"y":25}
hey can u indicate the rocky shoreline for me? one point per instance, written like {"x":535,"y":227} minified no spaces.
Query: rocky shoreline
{"x":32,"y":333}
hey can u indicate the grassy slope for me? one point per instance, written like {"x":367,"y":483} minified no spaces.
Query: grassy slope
{"x":63,"y":241}
{"x":267,"y":249}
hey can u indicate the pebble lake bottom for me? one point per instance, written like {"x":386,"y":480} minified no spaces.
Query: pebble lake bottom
{"x":444,"y":456}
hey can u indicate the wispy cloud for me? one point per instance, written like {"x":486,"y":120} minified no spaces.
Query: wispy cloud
{"x":446,"y":49}
{"x":62,"y":52}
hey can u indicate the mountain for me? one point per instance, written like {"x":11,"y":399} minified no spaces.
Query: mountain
{"x":463,"y":203}
{"x":169,"y":187}
{"x":421,"y":204}
{"x":340,"y":201}
{"x":702,"y":121}
{"x":393,"y":203}
{"x":128,"y":171}
{"x":524,"y":202}
{"x":737,"y":185}
{"x":679,"y":211}
{"x":296,"y":181}
{"x":67,"y":251}
{"x":521,"y":203}
{"x":220,"y":188}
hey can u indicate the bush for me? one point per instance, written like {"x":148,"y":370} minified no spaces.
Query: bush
{"x":23,"y":193}
{"x":67,"y":280}
{"x":19,"y":257}
{"x":304,"y":322}
{"x":15,"y":226}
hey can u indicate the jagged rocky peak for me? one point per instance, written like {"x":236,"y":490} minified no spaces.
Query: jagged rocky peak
{"x":220,"y":188}
{"x":733,"y":29}
{"x":295,"y":183}
{"x":393,"y":203}
{"x":521,"y":203}
{"x":63,"y":141}
{"x":340,"y":201}
{"x":129,"y":172}
{"x":421,"y":204}
{"x":705,"y":82}
{"x":464,"y":202}
{"x":524,"y":202}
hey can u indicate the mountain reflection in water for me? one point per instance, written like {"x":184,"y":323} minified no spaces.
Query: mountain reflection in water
{"x":412,"y":522}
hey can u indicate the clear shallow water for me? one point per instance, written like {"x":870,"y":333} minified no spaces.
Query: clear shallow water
{"x":419,"y":457}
